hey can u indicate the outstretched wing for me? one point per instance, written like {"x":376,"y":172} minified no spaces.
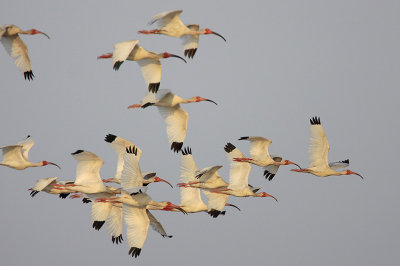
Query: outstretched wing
{"x":340,"y":164}
{"x":176,"y":119}
{"x":168,"y":17}
{"x":319,"y":147}
{"x":121,"y":52}
{"x":239,"y":171}
{"x":190,"y":42}
{"x":258,"y":147}
{"x":137,"y":224}
{"x":26,"y":146}
{"x":88,"y":168}
{"x":156,"y":225}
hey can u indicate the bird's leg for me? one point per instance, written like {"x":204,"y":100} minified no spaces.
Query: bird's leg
{"x":219,"y":190}
{"x":242,"y":159}
{"x":299,"y":170}
{"x":134,"y":106}
{"x":156,"y":31}
{"x":104,"y":56}
{"x":75,"y":196}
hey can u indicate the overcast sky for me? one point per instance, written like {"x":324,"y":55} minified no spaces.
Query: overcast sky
{"x":283,"y":62}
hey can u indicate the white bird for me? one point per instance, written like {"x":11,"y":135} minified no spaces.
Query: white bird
{"x":170,"y":24}
{"x":88,"y":181}
{"x":238,"y":176}
{"x":149,"y":62}
{"x":46,"y":185}
{"x":135,"y":203}
{"x":119,"y":145}
{"x":190,"y":196}
{"x":260,"y":156}
{"x":168,"y":105}
{"x":16,"y":156}
{"x":318,"y":154}
{"x":16,"y":48}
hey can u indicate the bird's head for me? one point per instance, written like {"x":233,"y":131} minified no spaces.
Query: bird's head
{"x":35,"y":31}
{"x":264,"y":194}
{"x":44,"y":163}
{"x":157,"y":179}
{"x":200,"y":99}
{"x":208,"y":31}
{"x":167,"y":55}
{"x":287,"y":162}
{"x":348,"y":172}
{"x":168,"y":206}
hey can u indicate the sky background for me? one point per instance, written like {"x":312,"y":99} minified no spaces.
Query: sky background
{"x":283,"y":62}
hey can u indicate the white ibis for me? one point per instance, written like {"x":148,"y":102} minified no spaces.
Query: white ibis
{"x":16,"y":156}
{"x":88,"y":181}
{"x":46,"y":185}
{"x":318,"y":154}
{"x":168,"y":105}
{"x":190,"y":196}
{"x":238,"y":176}
{"x":149,"y":62}
{"x":119,"y":145}
{"x":135,"y":203}
{"x":260,"y":156}
{"x":16,"y":48}
{"x":170,"y":24}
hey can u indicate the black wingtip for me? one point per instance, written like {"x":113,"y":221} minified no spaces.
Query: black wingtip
{"x":176,"y":146}
{"x":268,"y":175}
{"x":28,"y":136}
{"x":117,"y":239}
{"x":63,"y":195}
{"x":134,"y":251}
{"x":315,"y":120}
{"x":110,"y":138}
{"x":186,"y":151}
{"x":346,"y":161}
{"x":117,"y":65}
{"x":28,"y":75}
{"x":77,"y":152}
{"x":153,"y":87}
{"x":190,"y":52}
{"x":229,"y":147}
{"x":215,"y":213}
{"x":86,"y":200}
{"x":98,"y":224}
{"x":131,"y":149}
{"x":242,"y":138}
{"x":33,"y":193}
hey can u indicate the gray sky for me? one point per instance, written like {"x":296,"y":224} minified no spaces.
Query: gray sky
{"x":283,"y":62}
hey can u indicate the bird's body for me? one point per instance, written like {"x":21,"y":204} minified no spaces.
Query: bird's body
{"x":171,"y":25}
{"x":16,"y":48}
{"x":261,"y":157}
{"x":16,"y":156}
{"x":318,"y":154}
{"x":149,"y":62}
{"x":238,"y":176}
{"x":176,"y":118}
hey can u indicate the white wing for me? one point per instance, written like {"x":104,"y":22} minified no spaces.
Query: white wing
{"x":17,"y":49}
{"x":122,"y":50}
{"x":100,"y":210}
{"x":190,"y":42}
{"x":12,"y":154}
{"x":340,"y":164}
{"x":319,"y":147}
{"x":119,"y":145}
{"x":168,"y":17}
{"x":209,"y":174}
{"x":189,"y":196}
{"x":26,"y":146}
{"x":156,"y":225}
{"x":137,"y":224}
{"x":215,"y":201}
{"x":151,"y":70}
{"x":131,"y":176}
{"x":258,"y":147}
{"x":88,"y":168}
{"x":176,"y":119}
{"x":114,"y":221}
{"x":271,"y":170}
{"x":42,"y":183}
{"x":239,"y":171}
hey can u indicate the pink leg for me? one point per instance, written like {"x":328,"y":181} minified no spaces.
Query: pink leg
{"x":134,"y":106}
{"x":149,"y":31}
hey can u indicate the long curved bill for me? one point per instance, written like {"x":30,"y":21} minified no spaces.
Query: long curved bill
{"x":181,"y":210}
{"x":268,"y":195}
{"x":208,"y":100}
{"x":289,"y":162}
{"x":165,"y":181}
{"x":173,"y":55}
{"x":234,"y":206}
{"x":44,"y":34}
{"x":54,"y":165}
{"x":354,"y":173}
{"x":219,"y":35}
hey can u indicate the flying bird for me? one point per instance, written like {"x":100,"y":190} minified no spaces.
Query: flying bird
{"x":149,"y":62}
{"x":170,"y":24}
{"x":168,"y":105}
{"x":16,"y":48}
{"x":260,"y":156}
{"x":16,"y":156}
{"x":46,"y":185}
{"x":318,"y":154}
